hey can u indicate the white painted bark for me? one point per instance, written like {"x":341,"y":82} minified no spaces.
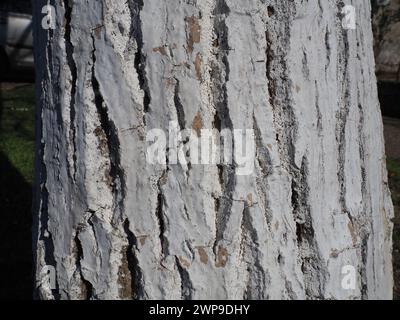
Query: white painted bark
{"x":115,"y":227}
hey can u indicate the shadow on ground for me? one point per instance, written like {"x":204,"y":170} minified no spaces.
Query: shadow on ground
{"x":15,"y":233}
{"x":16,"y":143}
{"x":389,"y":97}
{"x":392,"y":134}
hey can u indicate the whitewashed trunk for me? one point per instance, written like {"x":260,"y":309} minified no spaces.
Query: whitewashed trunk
{"x":116,"y":227}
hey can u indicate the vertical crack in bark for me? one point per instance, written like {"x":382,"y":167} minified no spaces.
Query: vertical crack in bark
{"x":160,"y":215}
{"x":86,"y":286}
{"x":305,"y":69}
{"x":216,"y":124}
{"x":269,"y":54}
{"x":258,"y":277}
{"x":187,"y":288}
{"x":180,"y":112}
{"x":312,"y":264}
{"x":364,"y":260}
{"x":45,"y":234}
{"x":73,"y":69}
{"x":136,"y":6}
{"x":136,"y":275}
{"x":243,"y":250}
{"x":279,"y":84}
{"x":318,"y":110}
{"x":364,"y":234}
{"x":222,"y":119}
{"x":328,"y":49}
{"x":116,"y":172}
{"x":286,"y":125}
{"x":55,"y":83}
{"x":115,"y":175}
{"x":343,"y":112}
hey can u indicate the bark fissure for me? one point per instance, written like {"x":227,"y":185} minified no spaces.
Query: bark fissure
{"x":160,"y":215}
{"x":268,"y":67}
{"x":312,"y":265}
{"x":364,"y":234}
{"x":343,"y":112}
{"x":328,"y":49}
{"x":364,"y":260}
{"x":258,"y":278}
{"x":136,"y":276}
{"x":279,"y":83}
{"x":116,"y":177}
{"x":69,"y":48}
{"x":286,"y":126}
{"x":86,"y":286}
{"x":243,"y":250}
{"x":320,"y":128}
{"x":136,"y":6}
{"x":180,"y":111}
{"x":50,"y":72}
{"x":222,"y":120}
{"x":186,"y":283}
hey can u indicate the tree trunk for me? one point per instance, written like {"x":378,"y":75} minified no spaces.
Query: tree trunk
{"x":316,"y":206}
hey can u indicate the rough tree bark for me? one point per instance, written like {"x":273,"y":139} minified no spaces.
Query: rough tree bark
{"x":114,"y":226}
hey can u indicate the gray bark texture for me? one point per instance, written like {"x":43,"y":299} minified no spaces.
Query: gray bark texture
{"x":116,"y":227}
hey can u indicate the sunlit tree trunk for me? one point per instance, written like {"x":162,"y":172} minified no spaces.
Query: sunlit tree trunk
{"x":313,"y":220}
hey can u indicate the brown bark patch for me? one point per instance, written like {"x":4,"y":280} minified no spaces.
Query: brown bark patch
{"x":169,"y":82}
{"x":197,"y":124}
{"x":142,"y":240}
{"x":353,"y":232}
{"x":184,"y":262}
{"x":124,"y":277}
{"x":203,"y":255}
{"x":97,"y":31}
{"x":102,"y":138}
{"x":250,"y":200}
{"x":334,"y":253}
{"x":222,"y":257}
{"x":193,"y":32}
{"x":160,"y":50}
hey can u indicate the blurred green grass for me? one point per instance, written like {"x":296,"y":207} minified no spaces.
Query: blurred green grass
{"x":17,"y":137}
